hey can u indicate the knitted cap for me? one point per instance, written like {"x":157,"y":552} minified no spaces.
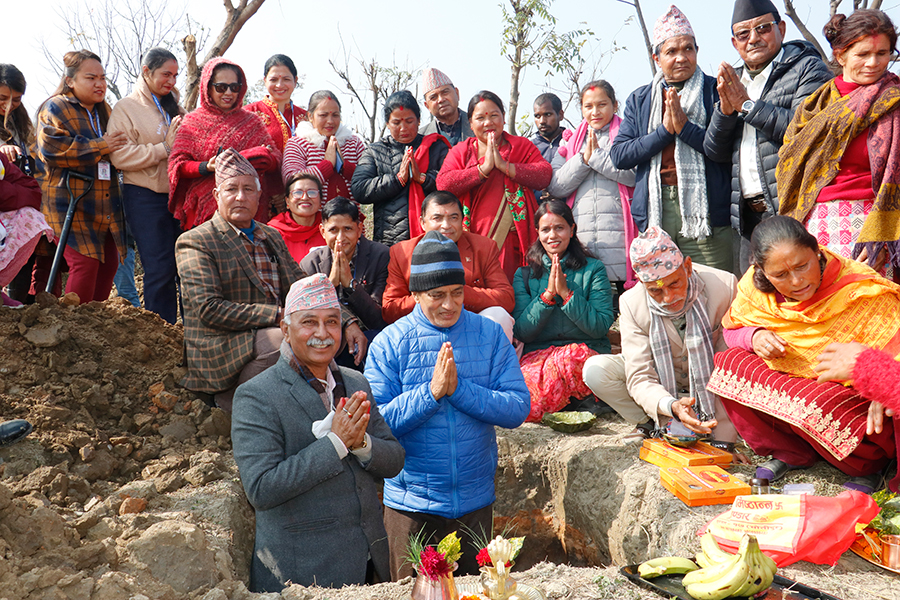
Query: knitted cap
{"x":744,"y":10}
{"x":231,"y":163}
{"x":654,"y":255}
{"x":435,"y":263}
{"x":432,"y":79}
{"x":311,"y":293}
{"x":669,"y":25}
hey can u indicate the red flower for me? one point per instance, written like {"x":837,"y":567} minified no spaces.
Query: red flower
{"x":483,"y":558}
{"x":433,"y":564}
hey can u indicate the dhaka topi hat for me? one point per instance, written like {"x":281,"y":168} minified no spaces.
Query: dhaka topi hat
{"x":654,"y":255}
{"x":435,"y":263}
{"x":432,"y":79}
{"x":744,"y":10}
{"x":671,"y":24}
{"x":311,"y":293}
{"x":231,"y":163}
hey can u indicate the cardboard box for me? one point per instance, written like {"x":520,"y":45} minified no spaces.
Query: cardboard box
{"x":663,"y":454}
{"x":702,"y":485}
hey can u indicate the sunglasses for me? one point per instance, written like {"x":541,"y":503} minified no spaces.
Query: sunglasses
{"x":221,"y":87}
{"x":744,"y":34}
{"x":311,"y":194}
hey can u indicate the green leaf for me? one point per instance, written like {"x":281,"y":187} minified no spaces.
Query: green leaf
{"x":450,"y":548}
{"x":516,"y":543}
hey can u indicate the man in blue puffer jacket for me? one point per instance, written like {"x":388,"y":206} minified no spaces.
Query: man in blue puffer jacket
{"x":443,"y":378}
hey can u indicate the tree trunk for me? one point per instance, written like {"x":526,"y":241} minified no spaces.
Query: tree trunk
{"x":192,"y":71}
{"x":235,"y":19}
{"x":514,"y":93}
{"x":640,"y":17}
{"x":792,"y":15}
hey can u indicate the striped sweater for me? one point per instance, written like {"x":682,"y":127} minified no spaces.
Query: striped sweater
{"x":305,"y":152}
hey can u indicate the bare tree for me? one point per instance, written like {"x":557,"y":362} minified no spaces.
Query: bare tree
{"x":373,"y":83}
{"x":235,"y":18}
{"x":833,"y":7}
{"x":576,"y":62}
{"x":118,"y":31}
{"x":529,"y":38}
{"x":640,"y":16}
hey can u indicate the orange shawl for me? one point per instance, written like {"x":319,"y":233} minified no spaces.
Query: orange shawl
{"x":853,"y":303}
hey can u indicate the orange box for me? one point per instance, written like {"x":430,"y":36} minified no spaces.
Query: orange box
{"x":702,"y":485}
{"x":662,"y":454}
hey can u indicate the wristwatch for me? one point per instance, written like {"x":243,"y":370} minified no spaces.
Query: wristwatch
{"x":746,"y":107}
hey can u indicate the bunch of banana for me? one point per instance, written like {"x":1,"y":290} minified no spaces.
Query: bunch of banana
{"x":725,"y":575}
{"x":666,"y":565}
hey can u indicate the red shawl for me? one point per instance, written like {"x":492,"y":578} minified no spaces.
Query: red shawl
{"x":416,"y":193}
{"x":299,"y":239}
{"x":483,"y":199}
{"x":205,"y":132}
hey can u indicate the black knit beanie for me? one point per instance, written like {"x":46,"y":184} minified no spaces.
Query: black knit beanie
{"x":435,"y":263}
{"x":744,"y":10}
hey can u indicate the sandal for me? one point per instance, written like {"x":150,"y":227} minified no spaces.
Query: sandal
{"x":866,"y":484}
{"x":774,"y":470}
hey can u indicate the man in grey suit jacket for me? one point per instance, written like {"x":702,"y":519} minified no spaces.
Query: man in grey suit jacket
{"x":442,"y":101}
{"x":311,"y":449}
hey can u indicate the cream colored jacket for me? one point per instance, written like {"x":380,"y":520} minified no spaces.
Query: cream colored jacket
{"x":641,"y":378}
{"x":143,"y":160}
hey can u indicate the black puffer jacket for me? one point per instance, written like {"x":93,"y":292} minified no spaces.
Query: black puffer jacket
{"x":800,"y":72}
{"x":375,"y":182}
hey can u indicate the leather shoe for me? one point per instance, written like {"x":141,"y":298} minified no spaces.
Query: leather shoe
{"x":14,"y":431}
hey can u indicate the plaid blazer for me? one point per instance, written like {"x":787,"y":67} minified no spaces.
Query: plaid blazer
{"x":66,"y":141}
{"x":225,"y":300}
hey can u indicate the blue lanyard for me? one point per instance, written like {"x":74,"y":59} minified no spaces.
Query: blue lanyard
{"x":98,"y":130}
{"x":165,"y":115}
{"x":291,"y":126}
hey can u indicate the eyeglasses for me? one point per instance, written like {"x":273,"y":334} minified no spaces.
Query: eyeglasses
{"x":299,"y":194}
{"x":221,"y":87}
{"x":763,"y":29}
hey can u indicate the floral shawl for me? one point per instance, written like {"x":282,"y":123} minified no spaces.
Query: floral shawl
{"x":822,"y":128}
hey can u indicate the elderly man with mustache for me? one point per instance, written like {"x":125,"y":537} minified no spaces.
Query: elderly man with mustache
{"x":311,"y":448}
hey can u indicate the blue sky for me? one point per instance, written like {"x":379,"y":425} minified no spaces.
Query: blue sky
{"x":462,"y":38}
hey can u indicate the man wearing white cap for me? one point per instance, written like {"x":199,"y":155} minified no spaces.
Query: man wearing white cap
{"x":311,"y":448}
{"x":442,"y":101}
{"x":677,"y":187}
{"x":671,"y":325}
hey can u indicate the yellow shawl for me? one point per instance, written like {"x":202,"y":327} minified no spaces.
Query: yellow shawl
{"x":853,"y":303}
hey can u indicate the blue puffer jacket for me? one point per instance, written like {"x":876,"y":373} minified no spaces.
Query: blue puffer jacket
{"x":451,"y":448}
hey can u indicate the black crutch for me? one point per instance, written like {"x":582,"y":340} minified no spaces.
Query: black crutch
{"x":67,"y":225}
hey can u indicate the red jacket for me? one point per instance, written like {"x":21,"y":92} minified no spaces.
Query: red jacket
{"x":18,"y":190}
{"x":486,"y":283}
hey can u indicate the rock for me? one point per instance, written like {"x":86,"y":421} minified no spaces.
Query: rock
{"x":37,"y":480}
{"x":70,"y":299}
{"x":102,"y":466}
{"x":180,"y":428}
{"x":87,"y":453}
{"x":46,"y":336}
{"x":169,"y":482}
{"x":165,"y":400}
{"x":177,"y":554}
{"x":217,"y":423}
{"x":45,"y":300}
{"x":215,"y":594}
{"x":132,"y":506}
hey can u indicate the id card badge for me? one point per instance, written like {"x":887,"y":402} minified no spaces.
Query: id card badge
{"x":104,"y":170}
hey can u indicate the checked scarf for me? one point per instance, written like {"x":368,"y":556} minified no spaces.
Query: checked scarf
{"x":697,"y":339}
{"x":690,"y":165}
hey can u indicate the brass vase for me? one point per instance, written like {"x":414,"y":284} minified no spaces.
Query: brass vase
{"x":426,"y":588}
{"x":497,"y":586}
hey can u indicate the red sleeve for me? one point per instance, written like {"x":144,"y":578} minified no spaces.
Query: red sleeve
{"x":742,"y":337}
{"x":535,"y":172}
{"x":18,"y":190}
{"x":262,"y":158}
{"x":397,"y":300}
{"x":454,"y":176}
{"x":876,"y":375}
{"x":191,"y":169}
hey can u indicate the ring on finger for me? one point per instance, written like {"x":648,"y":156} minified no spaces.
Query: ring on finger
{"x":346,"y":412}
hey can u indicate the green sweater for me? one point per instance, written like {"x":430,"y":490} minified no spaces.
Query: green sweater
{"x":583,"y":319}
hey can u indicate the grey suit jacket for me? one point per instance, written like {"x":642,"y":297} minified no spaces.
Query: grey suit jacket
{"x":318,"y":517}
{"x":432,"y":126}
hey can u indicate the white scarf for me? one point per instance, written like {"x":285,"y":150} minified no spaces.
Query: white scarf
{"x":690,"y":165}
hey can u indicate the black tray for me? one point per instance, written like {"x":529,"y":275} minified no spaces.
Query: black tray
{"x":670,"y":587}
